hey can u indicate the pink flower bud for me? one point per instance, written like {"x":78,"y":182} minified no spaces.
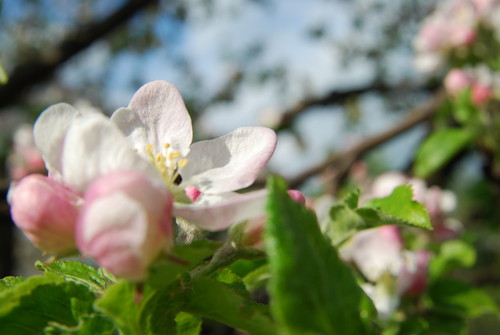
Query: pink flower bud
{"x":252,"y":233}
{"x":462,"y":36}
{"x":125,"y":223}
{"x":456,"y":81}
{"x":481,"y":94}
{"x":46,"y":212}
{"x":297,"y":196}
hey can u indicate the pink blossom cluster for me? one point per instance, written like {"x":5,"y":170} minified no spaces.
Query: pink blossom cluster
{"x":114,"y":184}
{"x":438,"y":202}
{"x":390,"y":270}
{"x":453,"y":25}
{"x":482,"y":83}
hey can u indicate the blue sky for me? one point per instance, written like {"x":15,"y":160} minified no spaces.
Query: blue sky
{"x":215,"y":46}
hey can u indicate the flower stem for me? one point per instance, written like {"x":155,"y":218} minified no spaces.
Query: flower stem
{"x":223,"y":257}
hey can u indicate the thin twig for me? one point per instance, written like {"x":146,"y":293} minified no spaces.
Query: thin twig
{"x":340,"y":163}
{"x":337,"y":96}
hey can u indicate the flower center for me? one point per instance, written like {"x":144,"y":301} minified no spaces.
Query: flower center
{"x":169,"y":162}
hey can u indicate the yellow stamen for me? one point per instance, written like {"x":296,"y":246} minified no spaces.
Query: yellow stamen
{"x":174,"y":155}
{"x":182,"y":163}
{"x":149,"y":148}
{"x":166,"y":145}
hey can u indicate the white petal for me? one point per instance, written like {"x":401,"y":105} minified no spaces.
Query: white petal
{"x":375,"y":252}
{"x":230,"y":162}
{"x":133,"y":128}
{"x":115,"y":211}
{"x":160,"y":117}
{"x":49,"y":132}
{"x":95,"y":146}
{"x":218,"y":212}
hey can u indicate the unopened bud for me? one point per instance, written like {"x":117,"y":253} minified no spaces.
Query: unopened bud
{"x":46,"y":212}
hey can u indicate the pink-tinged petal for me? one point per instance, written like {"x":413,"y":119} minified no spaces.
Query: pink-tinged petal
{"x":159,"y":116}
{"x":192,"y":193}
{"x":218,"y":212}
{"x":375,"y":252}
{"x":125,"y":223}
{"x":94,"y":147}
{"x":46,"y":212}
{"x":456,"y":81}
{"x":481,"y":94}
{"x":414,"y":276}
{"x":49,"y":131}
{"x":230,"y":162}
{"x":297,"y":196}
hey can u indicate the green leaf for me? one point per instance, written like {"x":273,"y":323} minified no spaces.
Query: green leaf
{"x":197,"y":251}
{"x":401,"y":205}
{"x":397,"y":209}
{"x":352,"y":198}
{"x":243,"y":267}
{"x":464,"y":110}
{"x":158,"y":312}
{"x":78,"y":272}
{"x":35,"y":302}
{"x":344,"y":222}
{"x":442,"y":324}
{"x":10,"y":282}
{"x":212,"y":299}
{"x":257,"y":278}
{"x":411,"y":326}
{"x":455,"y":298}
{"x":439,"y":148}
{"x":452,"y":254}
{"x":229,"y":278}
{"x":312,"y":290}
{"x":187,"y":324}
{"x":89,"y":325}
{"x":183,"y":258}
{"x":118,"y":304}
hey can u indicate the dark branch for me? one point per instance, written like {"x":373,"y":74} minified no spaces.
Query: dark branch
{"x":32,"y":72}
{"x":338,"y":164}
{"x":341,"y":96}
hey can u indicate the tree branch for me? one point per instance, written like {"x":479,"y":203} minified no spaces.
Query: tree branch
{"x":341,"y":96}
{"x":339,"y":164}
{"x":26,"y":75}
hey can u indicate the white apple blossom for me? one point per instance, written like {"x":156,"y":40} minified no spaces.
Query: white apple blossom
{"x":126,"y":171}
{"x":390,"y":271}
{"x":158,"y":126}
